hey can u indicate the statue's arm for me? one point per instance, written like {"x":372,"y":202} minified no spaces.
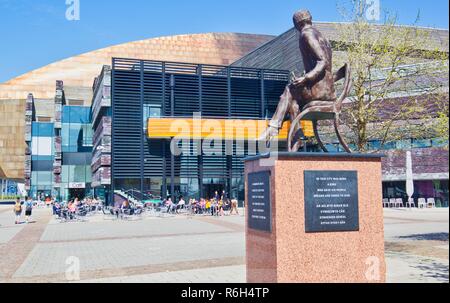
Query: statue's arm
{"x":316,"y":50}
{"x":340,"y":74}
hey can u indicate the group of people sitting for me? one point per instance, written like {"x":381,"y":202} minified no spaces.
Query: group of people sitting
{"x":120,"y":210}
{"x":217,"y":206}
{"x":75,"y":207}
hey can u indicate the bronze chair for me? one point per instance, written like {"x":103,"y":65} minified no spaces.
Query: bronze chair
{"x":323,"y":110}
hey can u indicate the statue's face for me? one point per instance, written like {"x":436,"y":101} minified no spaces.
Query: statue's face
{"x":301,"y":19}
{"x":299,"y":25}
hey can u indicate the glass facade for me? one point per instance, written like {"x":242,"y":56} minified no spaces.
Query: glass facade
{"x":8,"y":188}
{"x":42,"y":160}
{"x":437,"y":189}
{"x":76,"y":138}
{"x":76,"y":133}
{"x":76,"y":130}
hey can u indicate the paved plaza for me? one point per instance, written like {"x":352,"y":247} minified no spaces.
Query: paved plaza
{"x":188,"y":249}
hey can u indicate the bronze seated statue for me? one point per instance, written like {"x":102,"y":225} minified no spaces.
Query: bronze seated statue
{"x":311,"y":97}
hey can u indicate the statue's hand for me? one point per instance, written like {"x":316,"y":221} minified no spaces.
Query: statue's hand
{"x":299,"y":82}
{"x":270,"y":133}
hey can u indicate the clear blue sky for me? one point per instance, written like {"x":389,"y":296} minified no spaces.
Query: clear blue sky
{"x":34,"y":33}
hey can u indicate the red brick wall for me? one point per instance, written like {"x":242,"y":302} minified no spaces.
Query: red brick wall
{"x":425,"y":161}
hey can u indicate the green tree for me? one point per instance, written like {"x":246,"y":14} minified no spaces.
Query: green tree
{"x":397,"y":74}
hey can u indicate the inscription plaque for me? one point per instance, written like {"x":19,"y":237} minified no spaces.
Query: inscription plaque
{"x":331,"y":201}
{"x":259,"y":201}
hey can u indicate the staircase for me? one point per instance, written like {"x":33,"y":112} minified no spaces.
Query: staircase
{"x":126,"y":196}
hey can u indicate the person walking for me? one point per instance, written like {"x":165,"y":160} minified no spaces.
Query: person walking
{"x":28,"y":210}
{"x":208,"y":206}
{"x":18,"y":210}
{"x":234,"y":207}
{"x":216,"y":196}
{"x":181,"y":205}
{"x":169,"y":205}
{"x":224,"y":196}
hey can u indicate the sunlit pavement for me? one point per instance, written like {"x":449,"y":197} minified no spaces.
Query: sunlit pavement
{"x":188,"y":249}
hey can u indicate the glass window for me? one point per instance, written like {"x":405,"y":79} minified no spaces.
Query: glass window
{"x":421,"y":143}
{"x":76,"y":114}
{"x":65,"y":136}
{"x":238,"y":190}
{"x":151,"y":111}
{"x":394,"y":190}
{"x":439,"y":142}
{"x":42,"y":146}
{"x":189,"y":188}
{"x":374,"y":145}
{"x":42,"y":178}
{"x":441,"y":192}
{"x":155,"y":112}
{"x":42,"y":129}
{"x":127,"y":184}
{"x":403,"y":144}
{"x":389,"y":145}
{"x":79,"y":175}
{"x":153,"y":186}
{"x":333,"y":148}
{"x":88,"y":173}
{"x":76,"y":174}
{"x":75,"y":136}
{"x":88,"y":133}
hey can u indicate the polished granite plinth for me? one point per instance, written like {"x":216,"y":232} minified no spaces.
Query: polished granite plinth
{"x":288,"y":253}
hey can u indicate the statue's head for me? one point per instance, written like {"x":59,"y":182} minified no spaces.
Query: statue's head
{"x":302,"y":18}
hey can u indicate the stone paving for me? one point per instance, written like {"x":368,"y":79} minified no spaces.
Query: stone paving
{"x":188,"y":249}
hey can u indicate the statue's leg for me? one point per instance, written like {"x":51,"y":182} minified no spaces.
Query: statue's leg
{"x":277,"y":121}
{"x":283,"y":108}
{"x":294,"y":111}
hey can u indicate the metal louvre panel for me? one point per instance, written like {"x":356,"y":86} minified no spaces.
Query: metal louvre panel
{"x":186,"y":166}
{"x":239,"y":153}
{"x":153,"y":155}
{"x":186,"y":95}
{"x":272,"y":95}
{"x":246,"y":98}
{"x":153,"y":88}
{"x":127,"y":130}
{"x":215,"y":165}
{"x":215,"y":96}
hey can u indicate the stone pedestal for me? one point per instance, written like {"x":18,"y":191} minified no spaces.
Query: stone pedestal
{"x":314,"y":218}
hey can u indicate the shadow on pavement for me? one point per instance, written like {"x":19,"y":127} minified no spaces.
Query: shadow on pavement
{"x":435,"y":270}
{"x":428,"y":237}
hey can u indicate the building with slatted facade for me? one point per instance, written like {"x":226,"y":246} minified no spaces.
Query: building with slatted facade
{"x":150,"y":97}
